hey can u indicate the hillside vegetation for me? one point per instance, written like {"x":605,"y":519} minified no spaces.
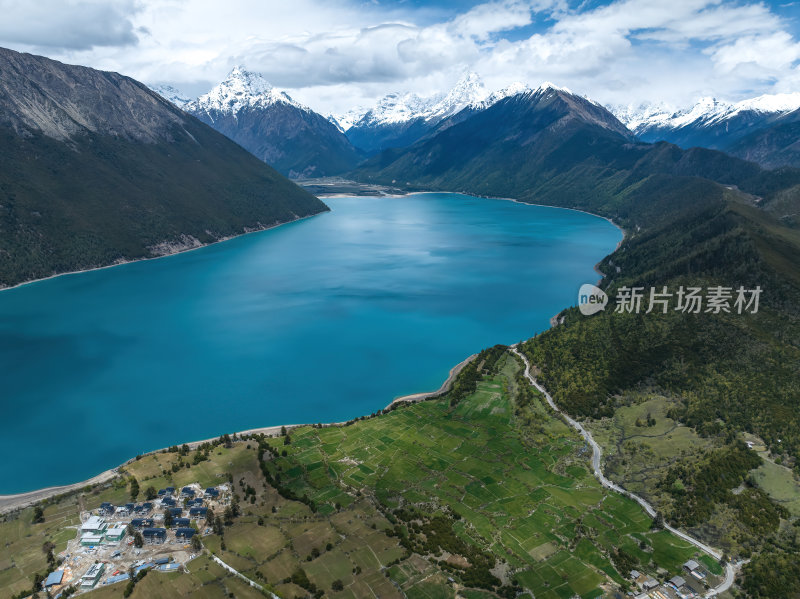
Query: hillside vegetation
{"x":483,"y":492}
{"x":96,"y":169}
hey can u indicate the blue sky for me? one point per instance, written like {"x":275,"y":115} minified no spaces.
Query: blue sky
{"x":334,"y":54}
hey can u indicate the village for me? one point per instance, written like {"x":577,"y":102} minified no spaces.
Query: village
{"x":117,"y":542}
{"x":694,"y":581}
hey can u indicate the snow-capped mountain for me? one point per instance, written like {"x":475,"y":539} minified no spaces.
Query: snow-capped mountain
{"x":280,"y":131}
{"x":346,"y":120}
{"x":709,"y":122}
{"x":171,"y":94}
{"x":400,"y":119}
{"x":242,"y":89}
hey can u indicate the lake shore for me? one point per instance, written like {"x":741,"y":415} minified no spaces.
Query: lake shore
{"x":18,"y":501}
{"x":166,"y":255}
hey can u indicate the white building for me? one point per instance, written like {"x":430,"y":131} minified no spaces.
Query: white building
{"x":92,"y":576}
{"x":115,"y":534}
{"x":94,"y":526}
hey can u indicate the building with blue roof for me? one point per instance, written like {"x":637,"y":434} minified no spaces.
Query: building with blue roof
{"x":186,"y":533}
{"x":154,"y":535}
{"x":161,"y":560}
{"x":54,"y":578}
{"x":142,"y":522}
{"x":117,"y":578}
{"x":175,"y":511}
{"x":212,"y":492}
{"x":146,"y":566}
{"x":198,"y":512}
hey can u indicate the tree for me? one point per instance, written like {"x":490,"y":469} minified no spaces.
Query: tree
{"x":167,"y":518}
{"x":283,"y":431}
{"x":658,"y":521}
{"x":134,"y":488}
{"x":150,"y":493}
{"x":219,"y":527}
{"x":337,"y":585}
{"x":196,"y":544}
{"x":47,"y":549}
{"x":38,"y":515}
{"x":138,"y":540}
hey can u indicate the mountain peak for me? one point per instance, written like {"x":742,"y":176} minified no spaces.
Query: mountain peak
{"x":242,"y":89}
{"x":547,"y":86}
{"x":468,"y":91}
{"x":171,"y":94}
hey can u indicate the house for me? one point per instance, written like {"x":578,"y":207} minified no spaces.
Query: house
{"x":161,"y":560}
{"x":168,"y":567}
{"x":212,"y":493}
{"x":146,"y":506}
{"x":117,"y":578}
{"x":677,"y":581}
{"x":54,"y":579}
{"x":154,"y":535}
{"x":123,"y":511}
{"x":691,"y":566}
{"x":649,"y":584}
{"x":635,"y":574}
{"x":186,"y":533}
{"x":196,"y":502}
{"x":94,"y":525}
{"x":181,"y":522}
{"x":115,"y":534}
{"x":142,"y":523}
{"x":168,"y":502}
{"x":187,"y":492}
{"x":90,"y":540}
{"x":175,"y":511}
{"x":170,"y":490}
{"x":198,"y":512}
{"x":162,"y":492}
{"x":106,"y":508}
{"x":145,"y":566}
{"x":92,"y":576}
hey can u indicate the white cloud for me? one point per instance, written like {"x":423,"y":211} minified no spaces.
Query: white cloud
{"x":333,"y":54}
{"x":71,"y":24}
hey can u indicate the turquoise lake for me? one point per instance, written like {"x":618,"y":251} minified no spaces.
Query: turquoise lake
{"x":320,"y":320}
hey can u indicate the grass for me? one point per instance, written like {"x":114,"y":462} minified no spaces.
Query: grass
{"x":780,"y":484}
{"x":512,"y":483}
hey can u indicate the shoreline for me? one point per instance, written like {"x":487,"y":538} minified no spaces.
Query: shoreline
{"x":19,"y":501}
{"x":184,"y":251}
{"x":13,"y":502}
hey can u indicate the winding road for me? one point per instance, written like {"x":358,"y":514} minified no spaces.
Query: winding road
{"x":597,"y":453}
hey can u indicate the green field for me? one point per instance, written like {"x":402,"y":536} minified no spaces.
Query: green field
{"x":483,"y":498}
